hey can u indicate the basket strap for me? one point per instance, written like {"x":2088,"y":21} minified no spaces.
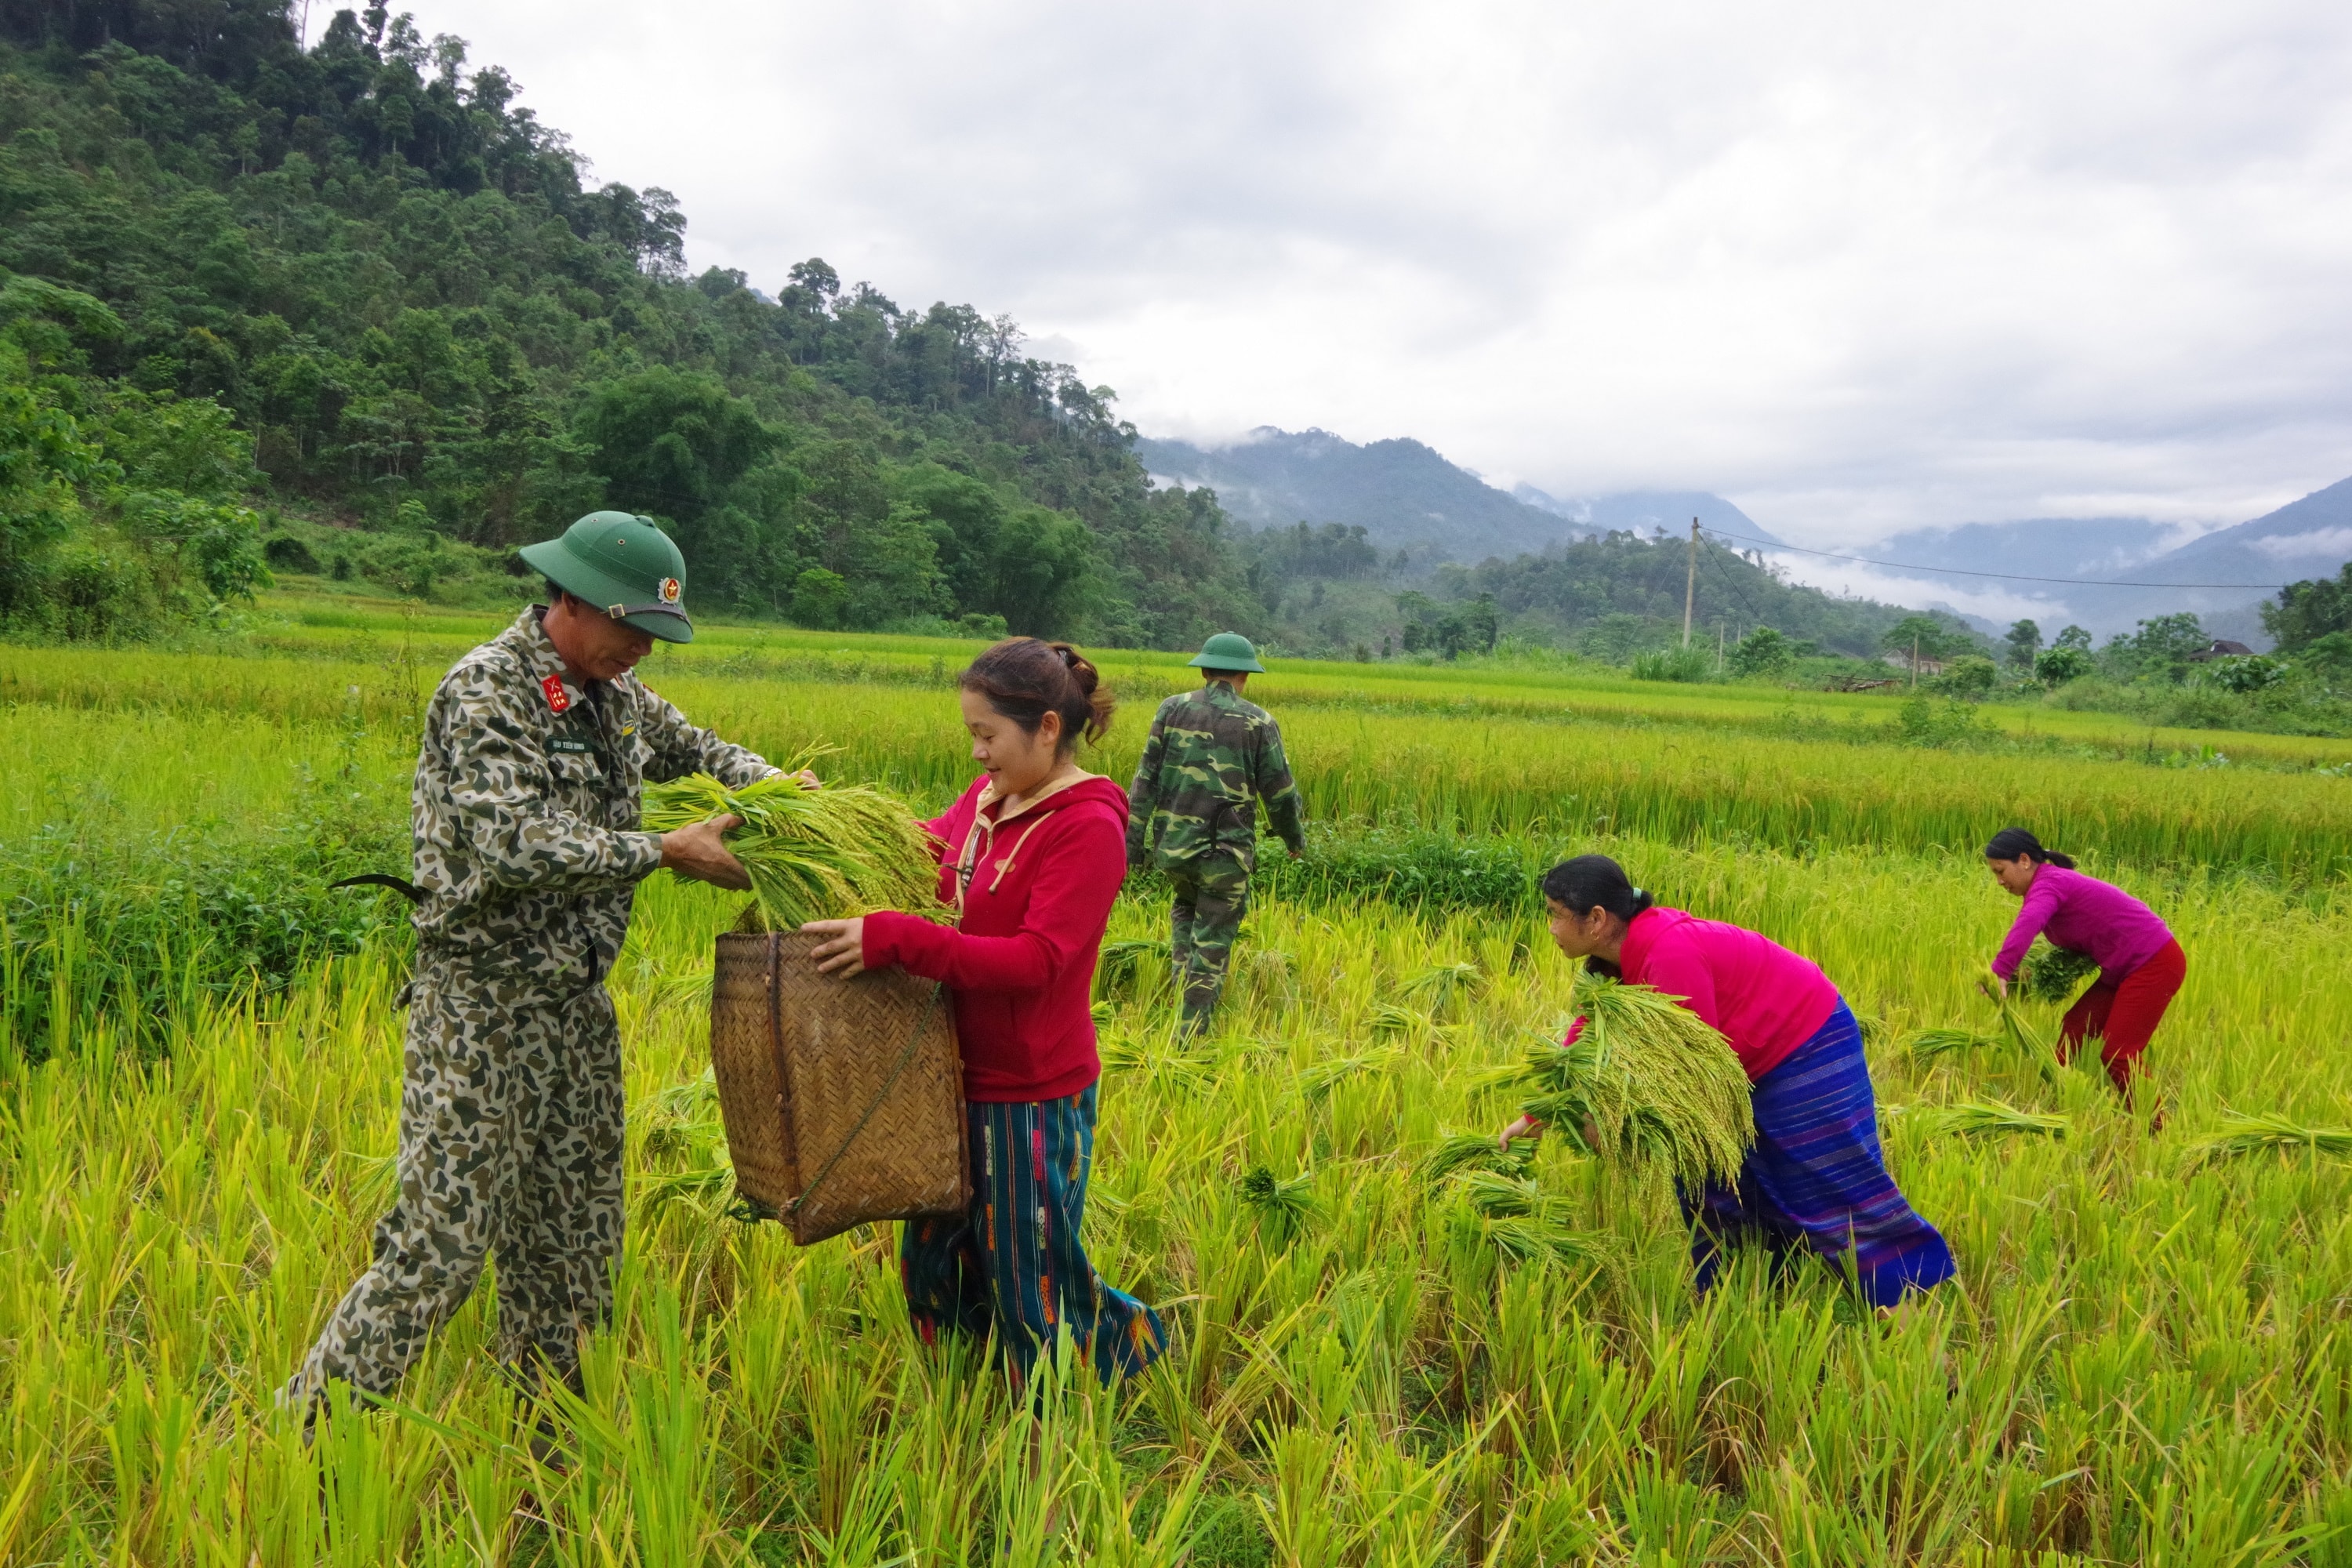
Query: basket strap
{"x":905,"y":1055}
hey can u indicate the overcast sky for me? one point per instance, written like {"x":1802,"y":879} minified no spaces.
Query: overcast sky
{"x":1856,"y":267}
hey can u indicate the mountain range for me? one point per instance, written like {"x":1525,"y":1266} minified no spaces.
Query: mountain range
{"x":1406,"y":496}
{"x":2222,"y":576}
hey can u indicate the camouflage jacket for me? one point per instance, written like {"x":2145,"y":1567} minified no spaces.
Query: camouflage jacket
{"x":525,"y":810}
{"x":1210,"y":753}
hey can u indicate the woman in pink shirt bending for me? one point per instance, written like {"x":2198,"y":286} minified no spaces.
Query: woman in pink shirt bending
{"x":2140,"y":965}
{"x":1816,"y":1179}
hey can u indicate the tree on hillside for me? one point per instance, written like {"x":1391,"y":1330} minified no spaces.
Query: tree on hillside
{"x":425,"y":321}
{"x":2024,"y":641}
{"x":2307,"y":611}
{"x":2159,"y":647}
{"x":1917,"y":638}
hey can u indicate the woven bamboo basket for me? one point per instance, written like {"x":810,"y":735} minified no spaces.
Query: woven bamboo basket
{"x":842,"y":1100}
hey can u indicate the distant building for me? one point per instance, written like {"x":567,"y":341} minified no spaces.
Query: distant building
{"x":2222,"y":649}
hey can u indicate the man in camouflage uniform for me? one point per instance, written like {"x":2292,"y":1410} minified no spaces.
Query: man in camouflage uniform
{"x":1210,"y":757}
{"x":527,"y":855}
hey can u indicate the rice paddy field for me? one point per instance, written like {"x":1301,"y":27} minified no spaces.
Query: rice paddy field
{"x":2148,"y":1358}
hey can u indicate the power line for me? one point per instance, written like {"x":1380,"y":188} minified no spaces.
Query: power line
{"x":2004,"y":576}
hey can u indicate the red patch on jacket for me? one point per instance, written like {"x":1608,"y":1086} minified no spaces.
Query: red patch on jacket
{"x":558,"y":699}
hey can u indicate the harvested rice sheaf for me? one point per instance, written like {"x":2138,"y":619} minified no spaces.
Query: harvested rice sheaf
{"x":1980,"y":1118}
{"x":821,"y":854}
{"x":2053,"y":974}
{"x":1655,"y":1084}
{"x":2258,"y":1134}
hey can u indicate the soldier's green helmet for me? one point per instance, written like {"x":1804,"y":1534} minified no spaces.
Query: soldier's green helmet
{"x":1228,"y":651}
{"x":623,"y":566}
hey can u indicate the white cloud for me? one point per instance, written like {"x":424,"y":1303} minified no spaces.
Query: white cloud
{"x":1858,"y":270}
{"x":2335,"y":544}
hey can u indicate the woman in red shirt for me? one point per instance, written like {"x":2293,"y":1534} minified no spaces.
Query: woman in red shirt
{"x":1816,"y":1180}
{"x":1032,"y":857}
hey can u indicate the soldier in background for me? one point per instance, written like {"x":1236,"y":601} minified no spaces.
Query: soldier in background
{"x":527,"y":855}
{"x":1210,"y":758}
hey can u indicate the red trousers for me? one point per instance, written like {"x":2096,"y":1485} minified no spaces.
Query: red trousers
{"x":2124,"y":1013}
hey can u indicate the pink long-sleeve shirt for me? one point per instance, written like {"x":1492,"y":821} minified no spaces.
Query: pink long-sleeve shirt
{"x":1764,"y":999}
{"x":2083,"y":914}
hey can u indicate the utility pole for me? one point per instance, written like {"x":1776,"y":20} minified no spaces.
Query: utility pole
{"x":1690,"y":583}
{"x":1914,"y":662}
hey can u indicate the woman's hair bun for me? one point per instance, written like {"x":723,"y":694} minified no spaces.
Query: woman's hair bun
{"x":1026,"y":678}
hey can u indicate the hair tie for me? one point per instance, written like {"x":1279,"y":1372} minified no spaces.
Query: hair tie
{"x":1637,"y":892}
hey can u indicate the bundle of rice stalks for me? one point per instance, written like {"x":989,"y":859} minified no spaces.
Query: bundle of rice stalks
{"x":1982,"y":1118}
{"x":1283,"y":1207}
{"x":1943,"y":1042}
{"x":1459,"y":1151}
{"x":1123,"y":967}
{"x":813,"y":855}
{"x":1522,"y":1222}
{"x":2236,"y":1134}
{"x":1317,"y":1082}
{"x":1654,"y":1083}
{"x":1440,"y":985}
{"x":2053,"y":974}
{"x":1395,"y":1019}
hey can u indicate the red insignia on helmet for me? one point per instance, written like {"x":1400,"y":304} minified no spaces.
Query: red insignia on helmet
{"x":670,"y":589}
{"x":558,"y":699}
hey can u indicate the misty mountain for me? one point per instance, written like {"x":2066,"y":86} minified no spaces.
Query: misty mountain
{"x":1406,"y":496}
{"x":2035,"y":546}
{"x":2222,"y":577}
{"x":1641,"y":511}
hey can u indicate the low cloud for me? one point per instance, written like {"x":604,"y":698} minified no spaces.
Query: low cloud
{"x":1859,"y":270}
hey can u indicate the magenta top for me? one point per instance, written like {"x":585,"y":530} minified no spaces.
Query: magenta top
{"x":1764,"y":999}
{"x":2083,"y":914}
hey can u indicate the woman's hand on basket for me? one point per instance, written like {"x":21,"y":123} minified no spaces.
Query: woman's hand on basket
{"x":843,"y":951}
{"x":699,"y":853}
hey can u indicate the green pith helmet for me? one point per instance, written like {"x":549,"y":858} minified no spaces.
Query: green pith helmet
{"x":1228,"y":651}
{"x":623,"y":566}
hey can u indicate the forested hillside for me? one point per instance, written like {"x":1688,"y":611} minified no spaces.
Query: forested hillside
{"x":424,"y":324}
{"x":353,"y":311}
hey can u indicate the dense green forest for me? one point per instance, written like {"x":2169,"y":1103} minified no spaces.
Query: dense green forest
{"x":423,"y":324}
{"x":355,"y":312}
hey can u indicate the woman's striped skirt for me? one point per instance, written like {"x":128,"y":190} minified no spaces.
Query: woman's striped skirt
{"x":1014,"y":1263}
{"x":1817,"y":1178}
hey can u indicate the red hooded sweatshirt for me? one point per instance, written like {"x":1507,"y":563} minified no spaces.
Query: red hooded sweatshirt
{"x":1033,"y":891}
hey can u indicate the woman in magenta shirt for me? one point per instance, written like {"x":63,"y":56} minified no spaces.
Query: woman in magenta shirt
{"x":1816,"y":1179}
{"x":2140,"y":964}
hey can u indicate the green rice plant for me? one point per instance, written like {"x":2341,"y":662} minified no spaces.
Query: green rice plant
{"x":1982,"y":1118}
{"x":1441,"y":986}
{"x":1522,"y":1223}
{"x":1458,"y":1151}
{"x":2051,"y":974}
{"x":1945,"y":1042}
{"x":1125,"y":967}
{"x":812,"y":854}
{"x":1284,"y":1207}
{"x":1647,"y":1081}
{"x":2237,"y":1134}
{"x":1317,"y":1081}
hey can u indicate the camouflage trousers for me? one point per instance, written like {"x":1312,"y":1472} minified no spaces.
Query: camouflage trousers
{"x":1211,"y":897}
{"x":511,"y":1131}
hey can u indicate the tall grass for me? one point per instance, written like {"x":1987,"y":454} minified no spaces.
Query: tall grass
{"x":2143,"y":1360}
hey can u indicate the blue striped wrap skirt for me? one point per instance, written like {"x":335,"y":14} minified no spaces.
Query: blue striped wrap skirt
{"x":1014,"y":1264}
{"x":1817,"y":1179}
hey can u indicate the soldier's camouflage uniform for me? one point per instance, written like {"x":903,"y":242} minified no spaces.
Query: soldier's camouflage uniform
{"x":1211,"y":756}
{"x":525,"y":814}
